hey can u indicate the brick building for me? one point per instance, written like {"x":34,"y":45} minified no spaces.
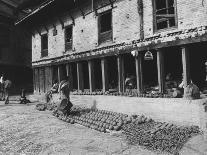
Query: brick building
{"x":98,"y":43}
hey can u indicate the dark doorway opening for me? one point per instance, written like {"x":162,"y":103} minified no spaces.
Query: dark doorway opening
{"x":74,"y":76}
{"x":198,"y":57}
{"x":85,"y":75}
{"x":98,"y":74}
{"x":149,"y":70}
{"x":112,"y":72}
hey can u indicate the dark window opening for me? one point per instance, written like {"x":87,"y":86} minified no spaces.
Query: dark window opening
{"x":164,"y":14}
{"x":105,"y":26}
{"x":44,"y":41}
{"x":68,"y":37}
{"x":105,"y":22}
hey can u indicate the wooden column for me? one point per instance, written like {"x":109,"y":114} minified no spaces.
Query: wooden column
{"x":138,"y":65}
{"x":104,"y":70}
{"x":69,"y":75}
{"x":120,"y":65}
{"x":91,"y":75}
{"x":33,"y":77}
{"x":160,"y":69}
{"x":59,"y":74}
{"x":186,"y":67}
{"x":38,"y":80}
{"x":80,"y":77}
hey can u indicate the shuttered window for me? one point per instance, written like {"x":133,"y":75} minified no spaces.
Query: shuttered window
{"x":164,"y":14}
{"x":105,"y":26}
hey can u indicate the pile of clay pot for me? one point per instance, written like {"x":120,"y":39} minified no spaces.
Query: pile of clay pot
{"x":130,"y":94}
{"x":100,"y":120}
{"x":138,"y":130}
{"x":158,"y":136}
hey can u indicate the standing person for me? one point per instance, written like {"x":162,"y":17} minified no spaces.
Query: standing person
{"x":7,"y":87}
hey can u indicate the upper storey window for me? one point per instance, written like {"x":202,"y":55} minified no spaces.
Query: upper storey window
{"x":105,"y":26}
{"x":68,"y":37}
{"x":164,"y":14}
{"x":44,"y":43}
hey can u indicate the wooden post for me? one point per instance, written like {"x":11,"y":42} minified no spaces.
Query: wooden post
{"x":186,"y":67}
{"x":160,"y":69}
{"x":91,"y":75}
{"x":120,"y":65}
{"x":104,"y":70}
{"x":138,"y":65}
{"x":80,"y":76}
{"x":69,"y":74}
{"x":34,"y":81}
{"x":59,"y":76}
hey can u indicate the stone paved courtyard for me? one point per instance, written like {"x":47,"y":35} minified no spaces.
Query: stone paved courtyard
{"x":24,"y":130}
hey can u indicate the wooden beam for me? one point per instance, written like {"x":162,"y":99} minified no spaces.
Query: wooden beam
{"x":139,"y":79}
{"x":186,"y":67}
{"x":160,"y":69}
{"x":91,"y":75}
{"x":80,"y":76}
{"x":104,"y":70}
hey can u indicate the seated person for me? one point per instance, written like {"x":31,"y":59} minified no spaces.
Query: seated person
{"x":169,"y":82}
{"x":130,"y":82}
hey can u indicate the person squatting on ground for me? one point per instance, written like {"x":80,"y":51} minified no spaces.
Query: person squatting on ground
{"x":64,"y":92}
{"x":54,"y":89}
{"x":7,"y":87}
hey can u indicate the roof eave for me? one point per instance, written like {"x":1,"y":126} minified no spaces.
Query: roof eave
{"x":42,"y":6}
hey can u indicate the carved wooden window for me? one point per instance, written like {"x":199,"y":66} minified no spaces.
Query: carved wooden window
{"x":44,"y":44}
{"x":105,"y":26}
{"x":164,"y":14}
{"x":68,"y":37}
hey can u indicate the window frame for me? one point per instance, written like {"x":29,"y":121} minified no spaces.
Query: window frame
{"x":155,"y":20}
{"x":44,"y":52}
{"x":99,"y":26}
{"x":68,"y":43}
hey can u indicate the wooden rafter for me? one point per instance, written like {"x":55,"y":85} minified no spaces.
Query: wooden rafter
{"x":112,"y":4}
{"x":61,"y":21}
{"x":72,"y":18}
{"x":45,"y":27}
{"x":82,"y":12}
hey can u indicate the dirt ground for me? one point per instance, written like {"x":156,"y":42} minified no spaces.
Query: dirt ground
{"x":25,"y":131}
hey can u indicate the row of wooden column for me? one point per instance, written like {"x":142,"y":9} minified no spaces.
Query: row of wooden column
{"x":104,"y":70}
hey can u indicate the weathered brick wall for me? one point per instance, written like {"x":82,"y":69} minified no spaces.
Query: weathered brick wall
{"x":190,"y":14}
{"x":85,"y":31}
{"x":125,"y":25}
